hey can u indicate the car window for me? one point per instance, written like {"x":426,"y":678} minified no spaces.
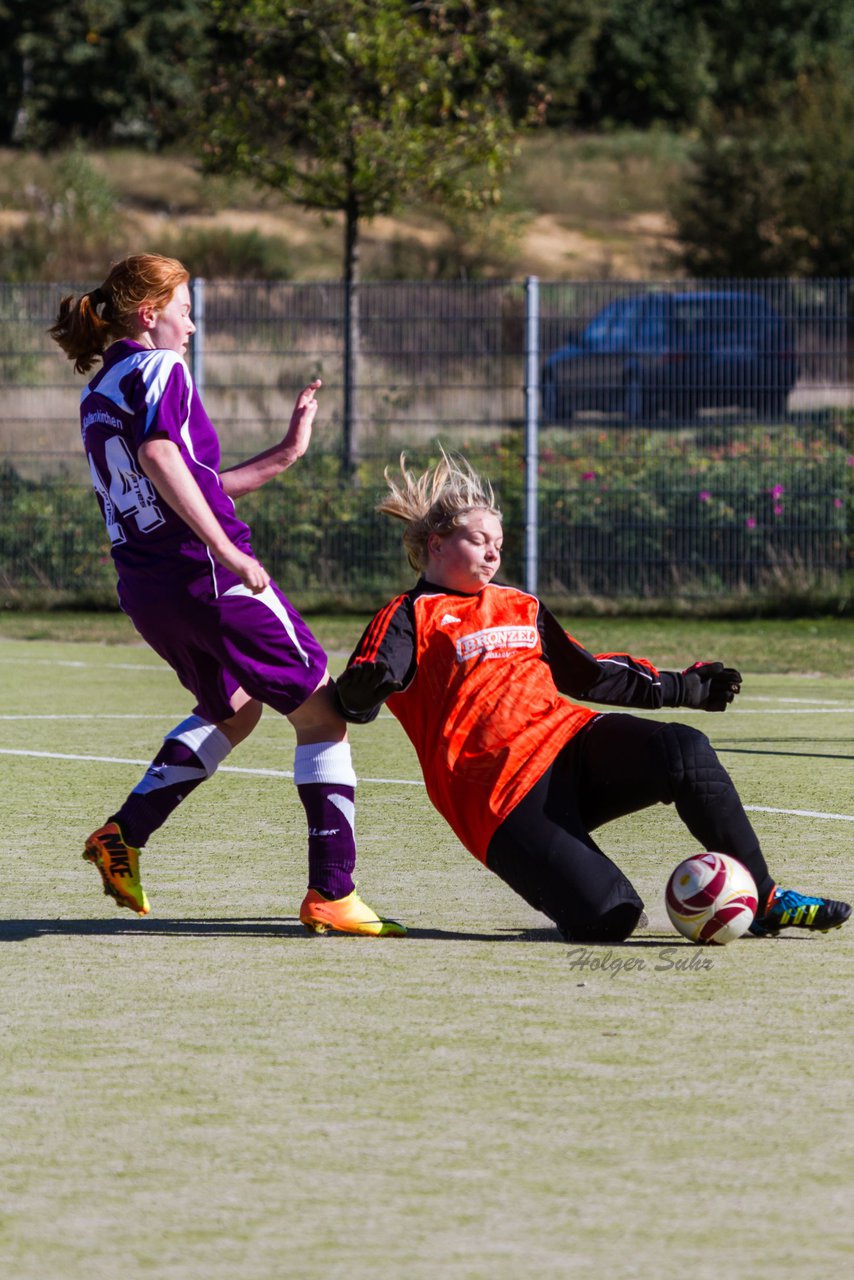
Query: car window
{"x":601,"y":329}
{"x":725,"y":320}
{"x":651,"y":333}
{"x":613,"y":327}
{"x":681,"y":322}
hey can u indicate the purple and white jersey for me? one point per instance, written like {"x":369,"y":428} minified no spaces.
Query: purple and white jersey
{"x":140,"y":393}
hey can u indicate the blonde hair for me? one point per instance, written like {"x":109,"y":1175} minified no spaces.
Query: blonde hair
{"x":435,"y":502}
{"x":86,"y":326}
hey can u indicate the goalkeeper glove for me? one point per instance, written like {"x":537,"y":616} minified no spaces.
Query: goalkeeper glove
{"x":364,"y":686}
{"x":709,"y":686}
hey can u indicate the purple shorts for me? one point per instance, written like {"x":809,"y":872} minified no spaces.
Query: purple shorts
{"x":216,"y":645}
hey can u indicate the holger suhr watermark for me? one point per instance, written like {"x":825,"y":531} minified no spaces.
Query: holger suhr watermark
{"x":611,"y":963}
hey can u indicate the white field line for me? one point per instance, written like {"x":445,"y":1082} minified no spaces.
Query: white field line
{"x":801,"y":813}
{"x":109,"y":715}
{"x":98,"y":666}
{"x":224,"y":768}
{"x":810,"y":702}
{"x":131,"y":715}
{"x":163,"y":669}
{"x":119,"y":666}
{"x":825,"y":709}
{"x":392,"y":782}
{"x":758,"y":711}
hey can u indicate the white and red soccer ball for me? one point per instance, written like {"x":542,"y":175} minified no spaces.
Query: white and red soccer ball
{"x":711,"y":898}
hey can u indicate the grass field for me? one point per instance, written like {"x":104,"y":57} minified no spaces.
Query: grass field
{"x":212,"y":1094}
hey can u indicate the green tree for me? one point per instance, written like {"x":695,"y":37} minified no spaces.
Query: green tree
{"x":11,"y":70}
{"x":97,"y":69}
{"x":772,"y":193}
{"x":360,"y":106}
{"x":670,"y":60}
{"x":650,"y":62}
{"x":563,"y":35}
{"x":760,"y":49}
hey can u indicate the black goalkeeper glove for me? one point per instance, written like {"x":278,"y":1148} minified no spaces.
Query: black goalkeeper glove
{"x":709,"y":686}
{"x":362,"y":687}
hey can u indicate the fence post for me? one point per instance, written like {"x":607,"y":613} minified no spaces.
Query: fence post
{"x":197,"y":347}
{"x":532,"y":424}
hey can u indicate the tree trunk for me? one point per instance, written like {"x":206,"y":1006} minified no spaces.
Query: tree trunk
{"x":351,"y":442}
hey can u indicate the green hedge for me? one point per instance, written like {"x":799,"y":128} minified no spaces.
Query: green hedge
{"x":681,"y":513}
{"x":705,"y":509}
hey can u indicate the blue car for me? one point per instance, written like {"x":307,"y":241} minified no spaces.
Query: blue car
{"x":649,"y":354}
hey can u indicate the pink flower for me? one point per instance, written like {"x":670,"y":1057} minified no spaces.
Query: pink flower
{"x":750,"y":522}
{"x":777,"y":491}
{"x":778,"y":510}
{"x":837,"y":502}
{"x":589,"y":475}
{"x":704,"y":495}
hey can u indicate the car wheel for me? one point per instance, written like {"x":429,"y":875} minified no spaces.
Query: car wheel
{"x":683,"y":407}
{"x":635,"y":400}
{"x":772,"y":403}
{"x":557,"y":403}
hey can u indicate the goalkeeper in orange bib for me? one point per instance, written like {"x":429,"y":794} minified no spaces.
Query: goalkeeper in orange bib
{"x":475,"y":673}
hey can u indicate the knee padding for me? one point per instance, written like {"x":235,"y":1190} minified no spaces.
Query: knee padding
{"x":613,"y":926}
{"x":689,"y":761}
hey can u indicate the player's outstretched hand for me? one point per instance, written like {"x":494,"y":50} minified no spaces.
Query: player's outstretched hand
{"x":298,"y":435}
{"x":710,"y":686}
{"x":364,"y":686}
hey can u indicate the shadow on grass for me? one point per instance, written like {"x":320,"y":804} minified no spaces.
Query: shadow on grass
{"x":761,"y":751}
{"x":289,"y":928}
{"x":23,"y":930}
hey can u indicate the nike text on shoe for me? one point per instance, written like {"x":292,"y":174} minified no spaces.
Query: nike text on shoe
{"x":788,"y":909}
{"x":345,"y":915}
{"x":118,"y":864}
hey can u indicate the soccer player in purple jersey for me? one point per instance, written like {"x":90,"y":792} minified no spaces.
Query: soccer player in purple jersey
{"x":191,"y":585}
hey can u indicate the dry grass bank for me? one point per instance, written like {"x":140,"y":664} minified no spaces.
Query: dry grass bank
{"x":575,"y":206}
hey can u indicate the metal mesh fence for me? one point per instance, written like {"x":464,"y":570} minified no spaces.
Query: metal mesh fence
{"x":657,"y":438}
{"x":430,"y":360}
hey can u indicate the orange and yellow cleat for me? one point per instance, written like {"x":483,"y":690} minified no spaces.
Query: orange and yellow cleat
{"x":346,"y":915}
{"x":118,"y":864}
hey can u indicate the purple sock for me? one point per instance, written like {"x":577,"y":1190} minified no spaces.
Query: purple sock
{"x":330,"y":812}
{"x":173,"y":773}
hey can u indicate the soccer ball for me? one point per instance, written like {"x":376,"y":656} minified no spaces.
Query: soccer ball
{"x":711,"y":898}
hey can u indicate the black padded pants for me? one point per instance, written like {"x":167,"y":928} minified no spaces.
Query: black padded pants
{"x":617,"y":765}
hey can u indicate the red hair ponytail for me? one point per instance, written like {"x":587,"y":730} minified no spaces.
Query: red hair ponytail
{"x":85,"y":328}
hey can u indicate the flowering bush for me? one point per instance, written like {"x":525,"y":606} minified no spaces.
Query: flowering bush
{"x":622,"y":513}
{"x":714,"y":508}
